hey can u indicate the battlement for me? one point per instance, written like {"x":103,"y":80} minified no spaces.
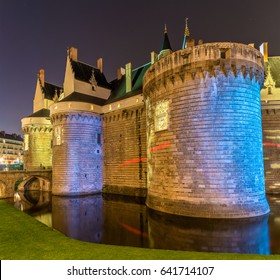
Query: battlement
{"x":225,"y":56}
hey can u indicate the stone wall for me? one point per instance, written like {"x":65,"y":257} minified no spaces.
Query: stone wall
{"x":271,"y":143}
{"x":77,"y":153}
{"x":37,"y":147}
{"x":124,"y":139}
{"x":204,"y":132}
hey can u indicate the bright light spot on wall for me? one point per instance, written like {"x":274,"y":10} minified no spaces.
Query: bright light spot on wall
{"x":119,"y":105}
{"x":110,"y":107}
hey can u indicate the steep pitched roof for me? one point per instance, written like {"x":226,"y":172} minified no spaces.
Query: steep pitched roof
{"x":166,"y":43}
{"x":119,"y":86}
{"x":43,"y":113}
{"x":83,"y":72}
{"x":80,"y":97}
{"x":51,"y":90}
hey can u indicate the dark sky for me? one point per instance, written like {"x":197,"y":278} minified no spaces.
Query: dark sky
{"x":35,"y":34}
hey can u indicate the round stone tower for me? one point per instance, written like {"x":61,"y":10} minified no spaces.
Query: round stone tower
{"x":77,"y":150}
{"x":37,"y":133}
{"x":204,"y":132}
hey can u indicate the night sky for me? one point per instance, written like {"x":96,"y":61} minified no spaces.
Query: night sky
{"x":35,"y":34}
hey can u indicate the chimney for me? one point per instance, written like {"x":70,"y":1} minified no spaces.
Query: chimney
{"x":200,"y":42}
{"x":153,"y":57}
{"x":190,"y":42}
{"x":128,"y":79}
{"x":73,"y":53}
{"x":100,"y":64}
{"x":264,"y":51}
{"x":121,"y":72}
{"x":41,"y":76}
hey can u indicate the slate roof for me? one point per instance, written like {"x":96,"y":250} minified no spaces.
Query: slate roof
{"x":80,"y":97}
{"x":83,"y":72}
{"x":166,"y":43}
{"x":274,"y":63}
{"x":49,"y":90}
{"x":43,"y":113}
{"x":119,"y":86}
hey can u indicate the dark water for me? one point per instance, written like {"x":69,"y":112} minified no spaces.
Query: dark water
{"x":111,"y":219}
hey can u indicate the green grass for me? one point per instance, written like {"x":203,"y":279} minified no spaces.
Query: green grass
{"x":23,"y":237}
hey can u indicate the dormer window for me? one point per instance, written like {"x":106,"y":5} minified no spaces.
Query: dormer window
{"x":93,"y":88}
{"x":269,"y":90}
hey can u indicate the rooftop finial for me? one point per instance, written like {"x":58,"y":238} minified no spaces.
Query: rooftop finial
{"x":187,"y":32}
{"x":165,"y":28}
{"x":186,"y":35}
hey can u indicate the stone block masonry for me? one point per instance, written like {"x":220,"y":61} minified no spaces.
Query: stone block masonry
{"x":37,"y":149}
{"x":125,"y":152}
{"x":77,"y":153}
{"x":203,"y":106}
{"x":271,"y":146}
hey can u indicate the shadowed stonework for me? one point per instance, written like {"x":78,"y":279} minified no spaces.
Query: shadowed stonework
{"x":183,"y":130}
{"x":209,"y":96}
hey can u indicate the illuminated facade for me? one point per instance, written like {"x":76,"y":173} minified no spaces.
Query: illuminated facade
{"x":176,"y":130}
{"x":270,"y":96}
{"x":11,"y":148}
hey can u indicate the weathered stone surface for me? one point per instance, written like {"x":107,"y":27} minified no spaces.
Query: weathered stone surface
{"x":77,"y":153}
{"x":207,"y":161}
{"x":38,"y":149}
{"x":271,"y":143}
{"x":125,"y":152}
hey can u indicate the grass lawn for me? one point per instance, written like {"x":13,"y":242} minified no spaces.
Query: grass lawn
{"x":23,"y":237}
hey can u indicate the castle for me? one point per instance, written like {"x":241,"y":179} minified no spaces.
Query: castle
{"x":183,"y":130}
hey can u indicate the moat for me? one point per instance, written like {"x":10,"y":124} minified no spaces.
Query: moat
{"x":125,"y":221}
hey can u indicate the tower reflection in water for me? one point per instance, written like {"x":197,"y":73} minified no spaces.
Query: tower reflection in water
{"x":249,"y":236}
{"x":118,"y":220}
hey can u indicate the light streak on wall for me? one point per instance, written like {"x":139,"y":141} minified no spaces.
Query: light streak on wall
{"x":269,"y":144}
{"x":159,"y":147}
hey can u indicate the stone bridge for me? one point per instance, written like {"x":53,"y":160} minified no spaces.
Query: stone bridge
{"x":9,"y":180}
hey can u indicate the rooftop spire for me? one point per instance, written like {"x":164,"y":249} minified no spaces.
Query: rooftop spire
{"x":166,"y":47}
{"x":186,"y":35}
{"x":166,"y":44}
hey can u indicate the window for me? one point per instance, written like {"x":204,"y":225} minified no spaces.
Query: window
{"x":57,"y":135}
{"x":99,"y":138}
{"x":269,"y":90}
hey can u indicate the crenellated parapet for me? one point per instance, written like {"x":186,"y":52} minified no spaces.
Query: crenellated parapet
{"x":75,"y":117}
{"x":77,"y":149}
{"x":214,"y":59}
{"x":204,"y":132}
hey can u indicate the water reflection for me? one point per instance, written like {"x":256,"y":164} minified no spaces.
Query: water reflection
{"x":209,"y":235}
{"x":125,"y":221}
{"x":79,"y":217}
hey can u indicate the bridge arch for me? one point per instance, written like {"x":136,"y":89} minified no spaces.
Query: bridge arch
{"x":35,"y":182}
{"x":18,"y":180}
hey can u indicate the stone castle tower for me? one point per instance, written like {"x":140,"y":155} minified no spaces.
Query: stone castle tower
{"x":37,"y":128}
{"x":183,"y":130}
{"x":203,"y":108}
